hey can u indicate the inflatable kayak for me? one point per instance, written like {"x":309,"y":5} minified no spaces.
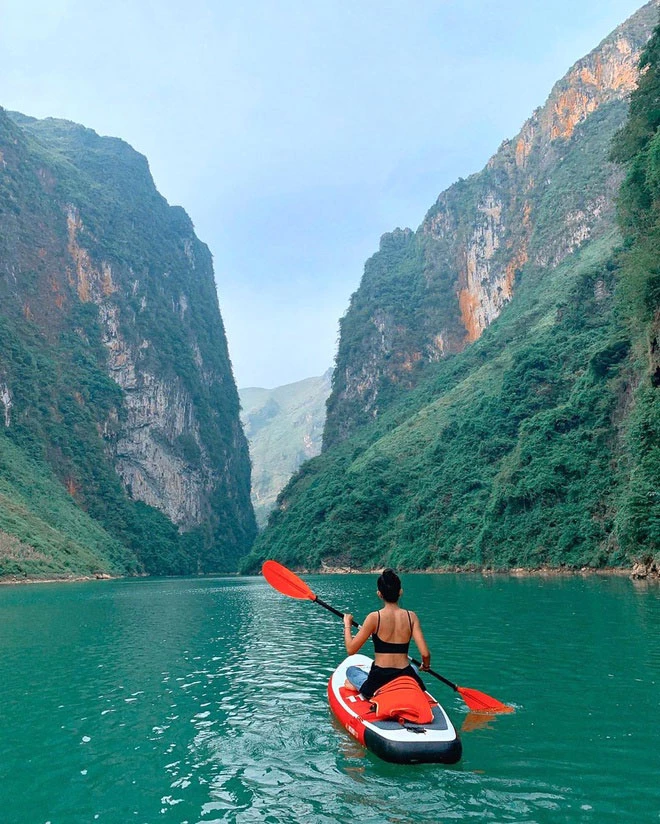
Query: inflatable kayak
{"x":393,"y":738}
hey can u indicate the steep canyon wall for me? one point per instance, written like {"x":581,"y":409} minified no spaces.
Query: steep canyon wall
{"x":430,"y":293}
{"x":134,"y":400}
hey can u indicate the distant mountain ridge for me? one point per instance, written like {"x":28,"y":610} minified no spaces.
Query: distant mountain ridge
{"x":284,"y":427}
{"x":117,"y":399}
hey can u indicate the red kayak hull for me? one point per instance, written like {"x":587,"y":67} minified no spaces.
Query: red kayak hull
{"x":437,"y":742}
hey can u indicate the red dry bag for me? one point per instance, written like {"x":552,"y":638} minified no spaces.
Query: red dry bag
{"x":403,"y":700}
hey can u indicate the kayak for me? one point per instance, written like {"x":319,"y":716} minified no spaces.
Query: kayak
{"x":400,"y":741}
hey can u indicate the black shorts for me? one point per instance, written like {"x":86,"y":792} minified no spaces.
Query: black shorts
{"x":379,"y":676}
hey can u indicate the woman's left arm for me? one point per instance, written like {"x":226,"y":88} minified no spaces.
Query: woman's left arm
{"x":353,"y":645}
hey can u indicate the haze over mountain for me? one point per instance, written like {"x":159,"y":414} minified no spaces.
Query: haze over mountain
{"x":494,"y":400}
{"x":284,"y":428}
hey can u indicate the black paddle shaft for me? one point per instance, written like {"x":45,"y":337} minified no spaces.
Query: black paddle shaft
{"x":414,"y":660}
{"x":333,"y":610}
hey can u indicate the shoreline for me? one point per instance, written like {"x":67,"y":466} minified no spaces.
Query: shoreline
{"x":638,"y":572}
{"x":8,"y":580}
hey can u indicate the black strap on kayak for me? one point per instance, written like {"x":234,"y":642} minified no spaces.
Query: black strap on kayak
{"x":411,"y":727}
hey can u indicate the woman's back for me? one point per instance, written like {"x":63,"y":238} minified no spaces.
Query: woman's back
{"x":392,"y":635}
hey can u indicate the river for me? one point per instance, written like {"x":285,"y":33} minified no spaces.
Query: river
{"x":204,"y":700}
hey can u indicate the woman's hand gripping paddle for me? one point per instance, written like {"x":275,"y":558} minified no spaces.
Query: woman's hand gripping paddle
{"x":288,"y":583}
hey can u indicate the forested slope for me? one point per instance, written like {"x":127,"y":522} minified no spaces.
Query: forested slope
{"x":538,"y":444}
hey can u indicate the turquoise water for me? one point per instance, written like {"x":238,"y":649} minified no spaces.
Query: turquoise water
{"x":204,"y":701}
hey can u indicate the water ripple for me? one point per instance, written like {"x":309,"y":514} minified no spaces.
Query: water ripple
{"x":204,"y":701}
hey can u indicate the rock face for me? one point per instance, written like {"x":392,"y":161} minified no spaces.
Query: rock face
{"x":156,"y":411}
{"x":284,"y":427}
{"x":431,"y":293}
{"x":645,"y":569}
{"x":104,"y":280}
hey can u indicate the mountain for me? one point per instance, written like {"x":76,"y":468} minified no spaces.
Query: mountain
{"x":430,"y":293}
{"x":284,"y":427}
{"x":494,"y":400}
{"x":121,"y":447}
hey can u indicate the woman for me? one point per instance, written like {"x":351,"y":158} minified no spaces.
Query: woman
{"x":391,"y":629}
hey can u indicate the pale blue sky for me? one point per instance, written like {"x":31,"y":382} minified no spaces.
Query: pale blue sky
{"x":295,"y":133}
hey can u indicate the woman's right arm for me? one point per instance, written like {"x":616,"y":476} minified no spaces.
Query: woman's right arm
{"x":418,"y":638}
{"x":353,"y":645}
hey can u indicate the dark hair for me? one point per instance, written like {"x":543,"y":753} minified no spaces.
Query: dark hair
{"x":389,"y":585}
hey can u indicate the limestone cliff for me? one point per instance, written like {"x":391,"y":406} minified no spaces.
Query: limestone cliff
{"x":428,"y":294}
{"x":538,"y":444}
{"x":107,"y":287}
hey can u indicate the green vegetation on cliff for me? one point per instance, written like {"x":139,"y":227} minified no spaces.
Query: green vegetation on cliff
{"x":638,"y":146}
{"x":501,"y":456}
{"x":430,"y":293}
{"x":42,"y":532}
{"x":113,"y":368}
{"x":539,"y":443}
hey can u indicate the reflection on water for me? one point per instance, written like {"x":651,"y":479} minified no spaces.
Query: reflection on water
{"x":477,"y":721}
{"x":205,"y":701}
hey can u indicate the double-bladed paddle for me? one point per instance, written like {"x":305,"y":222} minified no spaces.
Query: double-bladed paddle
{"x":288,"y":583}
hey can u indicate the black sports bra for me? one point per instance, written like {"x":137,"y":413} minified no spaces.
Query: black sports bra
{"x":387,"y":646}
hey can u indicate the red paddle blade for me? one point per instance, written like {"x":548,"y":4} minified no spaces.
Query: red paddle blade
{"x":285,"y":581}
{"x":480,"y":702}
